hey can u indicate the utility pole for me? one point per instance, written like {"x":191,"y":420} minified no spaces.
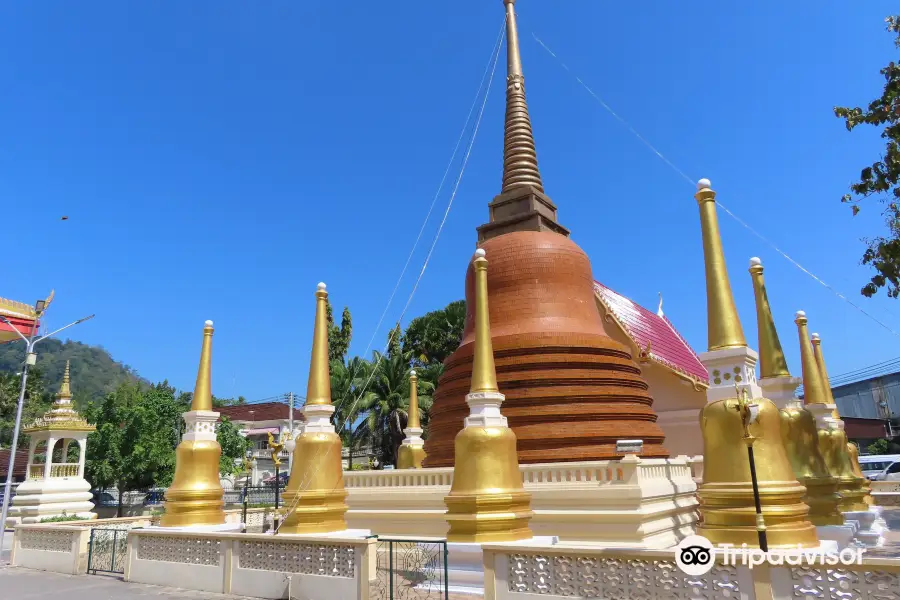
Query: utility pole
{"x":30,"y":360}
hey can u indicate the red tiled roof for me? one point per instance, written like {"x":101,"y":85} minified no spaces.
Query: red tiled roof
{"x":20,"y":467}
{"x":653,"y":332}
{"x":264,"y":411}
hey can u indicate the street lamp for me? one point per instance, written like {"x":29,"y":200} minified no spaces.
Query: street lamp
{"x":248,"y":470}
{"x":30,"y":360}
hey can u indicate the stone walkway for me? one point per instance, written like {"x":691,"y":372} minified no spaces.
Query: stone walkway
{"x":25,"y":584}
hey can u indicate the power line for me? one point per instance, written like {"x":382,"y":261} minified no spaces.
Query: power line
{"x":694,"y":181}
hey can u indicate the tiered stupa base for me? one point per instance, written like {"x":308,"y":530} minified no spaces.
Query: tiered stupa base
{"x":571,"y":391}
{"x":44,"y":499}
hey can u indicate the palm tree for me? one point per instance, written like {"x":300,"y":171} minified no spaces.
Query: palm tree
{"x":347,"y":380}
{"x":386,"y":402}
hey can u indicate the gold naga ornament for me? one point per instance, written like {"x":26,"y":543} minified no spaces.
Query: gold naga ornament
{"x":315,"y":498}
{"x":412,"y":451}
{"x":196,"y":496}
{"x":798,"y":425}
{"x":487,"y":501}
{"x":833,"y":441}
{"x":727,"y":502}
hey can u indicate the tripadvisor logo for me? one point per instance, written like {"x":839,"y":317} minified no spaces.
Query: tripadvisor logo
{"x":695,"y":556}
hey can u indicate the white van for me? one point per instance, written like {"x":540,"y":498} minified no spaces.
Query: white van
{"x":874,"y":466}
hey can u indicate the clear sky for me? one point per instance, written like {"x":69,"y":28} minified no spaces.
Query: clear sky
{"x":216,"y":160}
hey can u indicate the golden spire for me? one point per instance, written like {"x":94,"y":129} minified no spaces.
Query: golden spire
{"x":203,"y":388}
{"x":771,"y":357}
{"x":520,"y":166}
{"x":724,"y":325}
{"x":812,"y":380}
{"x":318,"y":388}
{"x":484,"y":374}
{"x":65,"y":391}
{"x":413,"y":419}
{"x":823,"y":374}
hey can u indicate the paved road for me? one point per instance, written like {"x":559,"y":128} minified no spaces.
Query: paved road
{"x":25,"y":584}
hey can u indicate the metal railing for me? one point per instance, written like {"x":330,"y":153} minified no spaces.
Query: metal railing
{"x":410,"y":568}
{"x":107,"y":551}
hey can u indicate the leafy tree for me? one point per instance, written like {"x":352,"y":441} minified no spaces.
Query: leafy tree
{"x":234,"y":446}
{"x":134,"y":444}
{"x":881,"y":446}
{"x":94,"y":372}
{"x":339,"y":337}
{"x":37,"y":400}
{"x":347,"y":382}
{"x":881,"y":178}
{"x":385,"y":406}
{"x":434,"y":336}
{"x":395,"y":341}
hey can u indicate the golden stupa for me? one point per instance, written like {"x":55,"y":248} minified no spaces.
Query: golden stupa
{"x":798,"y":425}
{"x":487,"y":501}
{"x":726,"y":495}
{"x":412,"y":450}
{"x":196,"y":496}
{"x":832,"y":439}
{"x":315,"y":497}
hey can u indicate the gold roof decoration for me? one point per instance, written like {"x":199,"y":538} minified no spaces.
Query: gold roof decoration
{"x":20,"y":309}
{"x":62,"y":415}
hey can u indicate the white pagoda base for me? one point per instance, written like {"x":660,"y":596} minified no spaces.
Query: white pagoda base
{"x":40,"y":499}
{"x":868,"y":533}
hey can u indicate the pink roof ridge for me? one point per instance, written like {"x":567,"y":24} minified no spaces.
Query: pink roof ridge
{"x":655,"y":336}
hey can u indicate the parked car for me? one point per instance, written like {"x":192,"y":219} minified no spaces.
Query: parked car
{"x":890,"y":473}
{"x":271,"y":480}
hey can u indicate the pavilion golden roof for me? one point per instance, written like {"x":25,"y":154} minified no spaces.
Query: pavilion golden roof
{"x":62,"y":415}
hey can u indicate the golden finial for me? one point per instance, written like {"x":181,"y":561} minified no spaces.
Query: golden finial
{"x":724,"y":325}
{"x":413,"y":419}
{"x":812,"y":380}
{"x":203,"y":388}
{"x":823,"y":374}
{"x":772,"y":362}
{"x":520,"y":166}
{"x":484,"y":374}
{"x":65,"y":390}
{"x":318,"y":388}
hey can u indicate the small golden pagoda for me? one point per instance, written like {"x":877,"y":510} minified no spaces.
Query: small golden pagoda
{"x":487,"y":501}
{"x":315,"y":498}
{"x":196,"y":496}
{"x":726,"y":495}
{"x":852,"y":449}
{"x":833,"y":441}
{"x":412,"y":451}
{"x":798,"y":425}
{"x":62,"y":415}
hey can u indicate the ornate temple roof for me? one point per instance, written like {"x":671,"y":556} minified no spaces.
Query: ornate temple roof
{"x":62,"y":415}
{"x":263,"y":411}
{"x":22,"y":316}
{"x":653,"y":334}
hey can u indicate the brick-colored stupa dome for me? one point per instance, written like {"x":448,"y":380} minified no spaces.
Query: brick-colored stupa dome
{"x":571,"y":391}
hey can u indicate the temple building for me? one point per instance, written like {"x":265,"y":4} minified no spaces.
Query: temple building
{"x":20,"y":316}
{"x":677,"y":378}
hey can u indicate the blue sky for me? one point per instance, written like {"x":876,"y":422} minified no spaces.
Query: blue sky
{"x":218,"y":159}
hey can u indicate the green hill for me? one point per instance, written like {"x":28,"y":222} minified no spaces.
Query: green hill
{"x":94,"y":372}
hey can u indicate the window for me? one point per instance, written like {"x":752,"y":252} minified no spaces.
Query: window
{"x":894,"y":468}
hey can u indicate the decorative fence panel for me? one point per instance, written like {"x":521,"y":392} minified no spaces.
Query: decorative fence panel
{"x":409,"y":569}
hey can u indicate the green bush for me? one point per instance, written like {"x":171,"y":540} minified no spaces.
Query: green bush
{"x":62,"y":518}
